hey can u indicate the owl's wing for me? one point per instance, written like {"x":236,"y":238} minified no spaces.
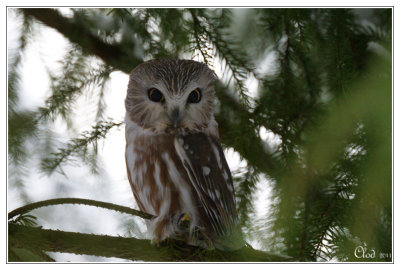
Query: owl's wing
{"x":209,"y":173}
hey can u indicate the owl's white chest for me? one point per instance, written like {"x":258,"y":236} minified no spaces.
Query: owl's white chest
{"x":156,"y":175}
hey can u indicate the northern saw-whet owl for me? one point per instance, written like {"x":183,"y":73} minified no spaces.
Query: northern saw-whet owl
{"x":175,"y":163}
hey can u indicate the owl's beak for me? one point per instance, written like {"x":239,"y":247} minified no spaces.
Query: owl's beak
{"x":175,"y":117}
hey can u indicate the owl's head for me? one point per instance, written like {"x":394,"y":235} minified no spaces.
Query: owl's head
{"x":173,"y":96}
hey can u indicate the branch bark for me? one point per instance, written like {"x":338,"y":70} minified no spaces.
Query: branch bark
{"x":113,"y":54}
{"x":123,"y":209}
{"x":33,"y":238}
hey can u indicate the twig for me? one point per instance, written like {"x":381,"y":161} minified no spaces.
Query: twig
{"x":111,"y":206}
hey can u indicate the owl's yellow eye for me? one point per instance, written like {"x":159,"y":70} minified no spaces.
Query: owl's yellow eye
{"x":195,"y":96}
{"x":155,"y":95}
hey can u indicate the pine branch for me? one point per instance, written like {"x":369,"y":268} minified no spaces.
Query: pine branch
{"x":245,"y":205}
{"x":78,"y":146}
{"x":39,"y":240}
{"x":126,"y":248}
{"x":22,"y":124}
{"x":112,"y":54}
{"x":77,"y":75}
{"x":327,"y":225}
{"x":253,"y":148}
{"x":199,"y":42}
{"x":235,"y":61}
{"x":29,"y":207}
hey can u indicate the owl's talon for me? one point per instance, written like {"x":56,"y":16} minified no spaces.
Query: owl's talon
{"x":155,"y":242}
{"x":184,"y":217}
{"x":184,"y":220}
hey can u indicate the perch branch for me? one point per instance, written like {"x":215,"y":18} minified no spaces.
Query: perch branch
{"x":21,"y":236}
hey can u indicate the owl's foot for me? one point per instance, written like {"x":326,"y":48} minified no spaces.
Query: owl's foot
{"x":184,"y":221}
{"x":159,"y":243}
{"x":155,"y":242}
{"x":160,"y":230}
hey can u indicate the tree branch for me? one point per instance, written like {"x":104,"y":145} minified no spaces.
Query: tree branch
{"x":253,"y":149}
{"x":32,"y":238}
{"x":111,"y":206}
{"x":114,"y":55}
{"x":38,"y":240}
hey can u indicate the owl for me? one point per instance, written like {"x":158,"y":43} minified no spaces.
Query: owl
{"x":175,"y":164}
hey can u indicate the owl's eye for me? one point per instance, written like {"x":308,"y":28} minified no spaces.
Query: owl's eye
{"x":195,"y":96}
{"x":155,"y":95}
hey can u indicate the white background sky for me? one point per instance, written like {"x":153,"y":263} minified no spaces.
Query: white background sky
{"x":116,"y":188}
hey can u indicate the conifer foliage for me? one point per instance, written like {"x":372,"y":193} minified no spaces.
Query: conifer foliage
{"x":323,"y":97}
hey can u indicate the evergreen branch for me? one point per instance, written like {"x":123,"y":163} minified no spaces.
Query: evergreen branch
{"x":22,"y":124}
{"x":237,"y":59}
{"x":14,"y":62}
{"x":238,"y":66}
{"x":246,"y":185}
{"x":253,"y":148}
{"x":32,"y":206}
{"x":77,"y":33}
{"x":324,"y":231}
{"x":66,"y":88}
{"x":127,"y":248}
{"x":78,"y":145}
{"x":78,"y":75}
{"x":199,"y":42}
{"x":299,"y":25}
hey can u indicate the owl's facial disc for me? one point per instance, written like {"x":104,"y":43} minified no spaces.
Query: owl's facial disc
{"x":171,"y":96}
